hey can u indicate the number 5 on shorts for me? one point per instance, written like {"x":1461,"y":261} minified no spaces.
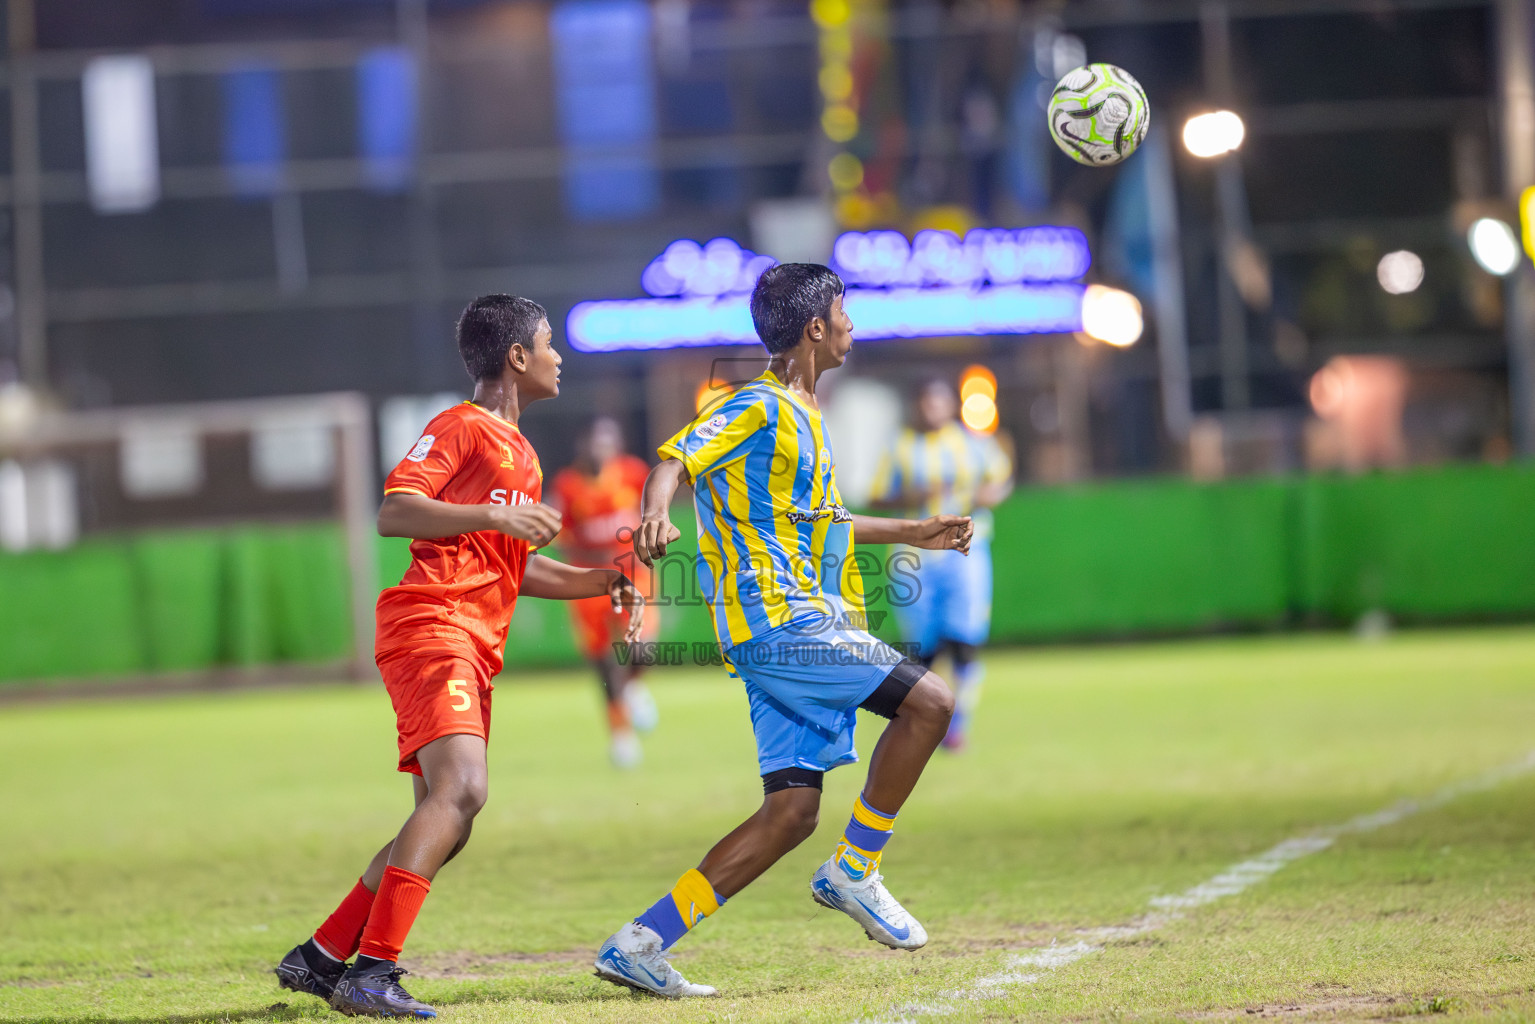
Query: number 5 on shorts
{"x":461,"y":700}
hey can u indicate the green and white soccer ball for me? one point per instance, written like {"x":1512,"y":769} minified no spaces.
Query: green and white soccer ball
{"x":1098,"y":114}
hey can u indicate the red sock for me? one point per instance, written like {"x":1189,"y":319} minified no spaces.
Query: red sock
{"x":342,"y":930}
{"x":618,"y":716}
{"x":394,"y":910}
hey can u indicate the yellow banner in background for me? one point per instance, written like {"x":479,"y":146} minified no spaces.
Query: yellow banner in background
{"x":1527,"y":220}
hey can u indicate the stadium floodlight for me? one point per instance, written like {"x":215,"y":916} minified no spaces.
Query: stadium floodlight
{"x":1493,"y":246}
{"x":979,"y":413}
{"x":1111,"y":316}
{"x":1213,"y":134}
{"x":978,"y":399}
{"x":1400,"y":272}
{"x":977,"y":380}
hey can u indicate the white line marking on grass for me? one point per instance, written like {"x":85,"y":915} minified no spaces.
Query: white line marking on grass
{"x":1022,"y":969}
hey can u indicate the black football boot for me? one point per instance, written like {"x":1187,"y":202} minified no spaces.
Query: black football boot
{"x":309,"y":970}
{"x":374,"y":990}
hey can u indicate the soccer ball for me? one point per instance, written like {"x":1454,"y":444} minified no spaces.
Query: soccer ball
{"x":1098,"y":114}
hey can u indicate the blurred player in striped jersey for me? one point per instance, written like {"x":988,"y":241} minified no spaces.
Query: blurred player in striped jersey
{"x":939,"y":467}
{"x":599,"y":501}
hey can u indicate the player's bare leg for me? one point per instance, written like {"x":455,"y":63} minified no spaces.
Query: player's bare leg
{"x":636,"y":954}
{"x":450,"y":792}
{"x":640,"y":705}
{"x":623,"y":745}
{"x":375,"y":872}
{"x":455,"y":781}
{"x":850,"y":881}
{"x":908,"y":742}
{"x":789,"y":816}
{"x":967,"y":672}
{"x":785,"y":819}
{"x":315,"y":965}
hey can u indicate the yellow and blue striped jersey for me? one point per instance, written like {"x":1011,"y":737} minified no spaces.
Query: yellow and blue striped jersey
{"x":774,"y":540}
{"x":945,"y":466}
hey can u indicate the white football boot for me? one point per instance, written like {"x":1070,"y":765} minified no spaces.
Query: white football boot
{"x":867,"y":901}
{"x":634,"y":957}
{"x":643,"y":713}
{"x":625,"y":752}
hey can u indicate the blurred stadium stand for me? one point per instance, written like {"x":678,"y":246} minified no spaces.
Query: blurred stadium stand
{"x":322,"y":184}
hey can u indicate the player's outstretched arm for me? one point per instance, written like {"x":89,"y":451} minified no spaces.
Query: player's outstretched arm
{"x":656,"y":529}
{"x":560,"y":582}
{"x":934,"y":532}
{"x":421,"y":518}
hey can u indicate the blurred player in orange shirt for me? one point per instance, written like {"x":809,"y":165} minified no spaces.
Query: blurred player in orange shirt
{"x":599,"y":501}
{"x":468,"y":494}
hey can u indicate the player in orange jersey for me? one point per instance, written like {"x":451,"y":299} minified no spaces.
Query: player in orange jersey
{"x":468,"y":494}
{"x":599,"y":500}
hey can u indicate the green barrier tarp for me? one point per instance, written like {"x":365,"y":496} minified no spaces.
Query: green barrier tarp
{"x":1140,"y":557}
{"x":182,"y":600}
{"x":179,"y":580}
{"x":70,"y":612}
{"x":1100,"y":560}
{"x":1455,"y":542}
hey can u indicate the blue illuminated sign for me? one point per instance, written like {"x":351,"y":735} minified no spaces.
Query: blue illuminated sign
{"x":994,"y":281}
{"x":720,"y":267}
{"x":885,"y":259}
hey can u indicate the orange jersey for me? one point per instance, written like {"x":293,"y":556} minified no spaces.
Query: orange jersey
{"x":600,"y":513}
{"x":459,"y":592}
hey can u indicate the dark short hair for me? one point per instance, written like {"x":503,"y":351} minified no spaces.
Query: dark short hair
{"x":787,"y":297}
{"x":489,"y":327}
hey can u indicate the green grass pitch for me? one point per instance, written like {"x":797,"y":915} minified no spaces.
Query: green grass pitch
{"x":157,"y":856}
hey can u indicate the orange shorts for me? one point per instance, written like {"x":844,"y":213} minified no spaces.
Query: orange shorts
{"x":436,"y":694}
{"x":599,"y":627}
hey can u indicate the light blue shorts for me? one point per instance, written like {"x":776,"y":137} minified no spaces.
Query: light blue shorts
{"x":953,"y":600}
{"x":805,"y":688}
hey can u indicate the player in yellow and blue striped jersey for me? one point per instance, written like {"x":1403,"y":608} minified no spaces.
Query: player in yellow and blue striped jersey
{"x":776,"y":563}
{"x":939,"y":466}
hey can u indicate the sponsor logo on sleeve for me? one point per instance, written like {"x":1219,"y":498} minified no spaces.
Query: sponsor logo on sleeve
{"x":423,"y":446}
{"x":835,"y":510}
{"x":712,"y":428}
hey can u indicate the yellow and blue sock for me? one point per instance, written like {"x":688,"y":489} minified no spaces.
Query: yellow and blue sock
{"x":864,"y":839}
{"x":691,"y":900}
